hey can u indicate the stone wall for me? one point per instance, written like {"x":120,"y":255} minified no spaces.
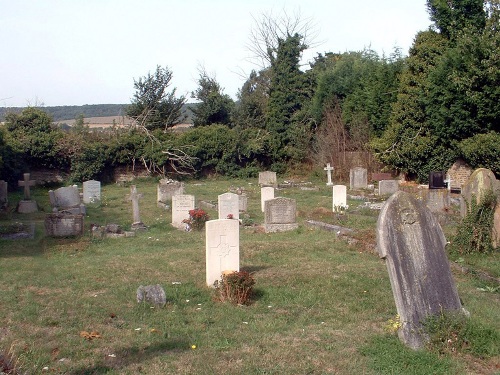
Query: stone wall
{"x":48,"y":176}
{"x":126,"y":173}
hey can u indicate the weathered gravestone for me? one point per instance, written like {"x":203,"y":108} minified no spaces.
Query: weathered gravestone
{"x":91,"y":192}
{"x":412,"y":243}
{"x":166,"y":189}
{"x":27,"y":205}
{"x":63,"y":224}
{"x":222,"y":248}
{"x":328,"y":170}
{"x":387,"y":187}
{"x":4,"y":201}
{"x":152,"y":294}
{"x":181,"y":205}
{"x":134,"y":196}
{"x":437,"y":180}
{"x":358,"y":178}
{"x":66,"y":199}
{"x":243,"y":202}
{"x":437,"y":200}
{"x":268,"y":178}
{"x":339,"y":198}
{"x":280,"y":215}
{"x":266,"y":193}
{"x":481,"y":181}
{"x":229,"y":204}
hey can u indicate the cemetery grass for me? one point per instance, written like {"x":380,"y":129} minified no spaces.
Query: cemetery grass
{"x":321,"y":304}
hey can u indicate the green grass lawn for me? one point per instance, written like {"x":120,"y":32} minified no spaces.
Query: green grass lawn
{"x":321,"y":304}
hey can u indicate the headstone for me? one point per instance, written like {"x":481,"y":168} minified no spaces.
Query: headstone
{"x":496,"y":226}
{"x":266,"y":193}
{"x":387,"y":187}
{"x":27,"y":205}
{"x":4,"y":200}
{"x":66,"y":199}
{"x":436,"y":180}
{"x":480,"y":181}
{"x":358,"y":178}
{"x":243,"y":202}
{"x":91,"y":191}
{"x":329,"y":170}
{"x":181,"y":205}
{"x":222,"y":248}
{"x":63,"y":225}
{"x":339,"y":198}
{"x":412,"y":243}
{"x":268,"y":178}
{"x":229,"y":204}
{"x":437,"y":200}
{"x":134,"y":196}
{"x":280,"y":215}
{"x":152,"y":294}
{"x":167,"y":188}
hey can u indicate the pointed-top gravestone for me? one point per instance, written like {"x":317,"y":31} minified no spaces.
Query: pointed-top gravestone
{"x":134,"y":196}
{"x":412,"y":243}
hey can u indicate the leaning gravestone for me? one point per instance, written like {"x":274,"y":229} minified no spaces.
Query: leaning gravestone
{"x":4,"y":201}
{"x":268,"y":178}
{"x":229,"y":204}
{"x":222,"y":248}
{"x":27,"y":205}
{"x":181,"y":205}
{"x":412,"y":243}
{"x":280,"y":215}
{"x":358,"y":178}
{"x":387,"y":187}
{"x":266,"y":193}
{"x":166,"y":189}
{"x":63,"y":225}
{"x":339,"y":198}
{"x":66,"y":199}
{"x":91,"y":192}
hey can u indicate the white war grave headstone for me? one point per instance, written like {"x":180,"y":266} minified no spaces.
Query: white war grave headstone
{"x":358,"y":178}
{"x":222,"y":248}
{"x":339,"y":198}
{"x":134,"y":196}
{"x":329,"y":170}
{"x":280,"y":215}
{"x":229,"y":204}
{"x":181,"y":205}
{"x":266,"y":193}
{"x":268,"y":178}
{"x":91,"y":192}
{"x":27,"y":205}
{"x":412,"y":243}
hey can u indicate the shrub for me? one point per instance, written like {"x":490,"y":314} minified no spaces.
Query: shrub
{"x":236,"y":287}
{"x":482,"y":151}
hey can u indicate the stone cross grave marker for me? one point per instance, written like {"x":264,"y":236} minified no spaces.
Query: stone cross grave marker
{"x":181,"y":205}
{"x":280,"y":215}
{"x":387,"y":187}
{"x":134,"y":196}
{"x":329,"y":170}
{"x":26,"y":183}
{"x":3,"y":194}
{"x":412,"y":243}
{"x":222,"y":248}
{"x":266,"y":193}
{"x":358,"y":178}
{"x":91,"y":191}
{"x":339,"y":198}
{"x":229,"y":204}
{"x":267,"y":178}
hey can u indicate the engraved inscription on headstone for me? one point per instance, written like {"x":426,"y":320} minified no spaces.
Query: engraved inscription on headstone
{"x":91,"y":191}
{"x":181,"y":205}
{"x":280,"y":215}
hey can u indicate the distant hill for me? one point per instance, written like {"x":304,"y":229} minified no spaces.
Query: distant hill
{"x":71,"y":112}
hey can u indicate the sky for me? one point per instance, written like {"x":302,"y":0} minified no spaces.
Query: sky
{"x":76,"y":52}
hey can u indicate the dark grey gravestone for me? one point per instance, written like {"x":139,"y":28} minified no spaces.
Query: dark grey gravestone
{"x":4,"y":201}
{"x":436,"y":180}
{"x":412,"y":243}
{"x":152,"y":294}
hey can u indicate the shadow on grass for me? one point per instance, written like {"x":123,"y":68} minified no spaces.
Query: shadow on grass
{"x":129,"y":356}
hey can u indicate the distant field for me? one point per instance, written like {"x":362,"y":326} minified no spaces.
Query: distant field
{"x":106,"y":122}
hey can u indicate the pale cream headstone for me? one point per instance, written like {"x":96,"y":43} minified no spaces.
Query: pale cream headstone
{"x":228,"y":204}
{"x":91,"y":191}
{"x":222,"y":248}
{"x":339,"y":198}
{"x":266,"y":193}
{"x":181,"y":204}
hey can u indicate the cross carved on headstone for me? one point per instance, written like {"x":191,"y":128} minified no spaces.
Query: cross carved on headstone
{"x":329,"y":170}
{"x":26,"y":183}
{"x":134,"y":197}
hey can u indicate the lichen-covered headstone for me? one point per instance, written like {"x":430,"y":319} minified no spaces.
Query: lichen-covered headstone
{"x":480,"y":181}
{"x":412,"y":243}
{"x":152,"y":294}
